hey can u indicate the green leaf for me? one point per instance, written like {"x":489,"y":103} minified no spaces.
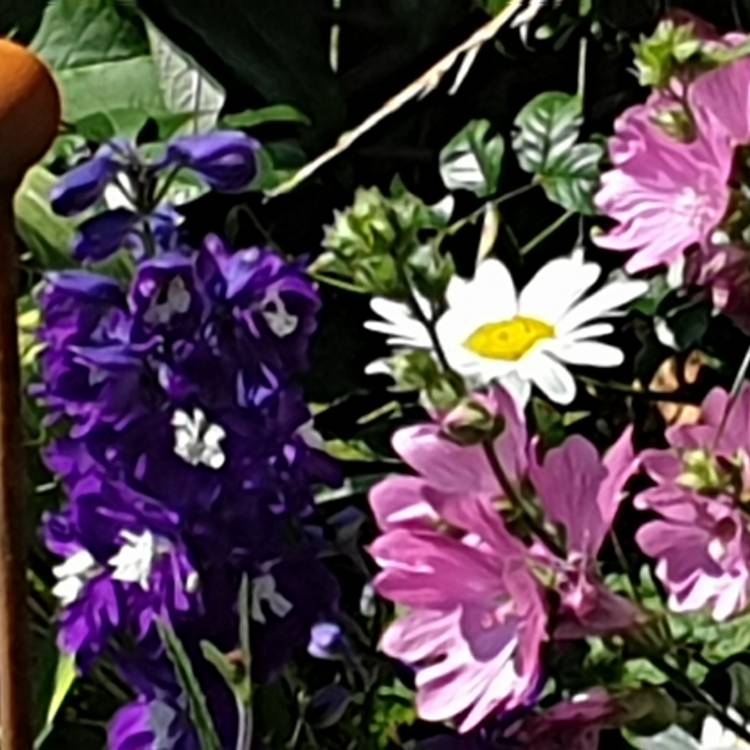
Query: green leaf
{"x":739,"y":674}
{"x":472,"y":160}
{"x":237,"y":674}
{"x":185,"y":86}
{"x":111,"y":87}
{"x":723,"y":640}
{"x":185,"y":188}
{"x":658,"y":291}
{"x":78,"y":33}
{"x":46,"y":235}
{"x":250,"y":118}
{"x":548,"y":128}
{"x":274,"y":48}
{"x":572,"y":181}
{"x":196,"y":699}
{"x":65,"y":676}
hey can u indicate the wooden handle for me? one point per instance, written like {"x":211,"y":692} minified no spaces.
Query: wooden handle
{"x":29,"y":121}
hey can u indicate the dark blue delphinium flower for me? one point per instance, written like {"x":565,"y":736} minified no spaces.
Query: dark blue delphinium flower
{"x":151,"y":723}
{"x":135,"y":216}
{"x":226,"y":160}
{"x":188,"y":464}
{"x":84,"y":185}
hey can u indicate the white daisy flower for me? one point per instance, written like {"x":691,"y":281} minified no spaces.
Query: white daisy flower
{"x":491,"y":333}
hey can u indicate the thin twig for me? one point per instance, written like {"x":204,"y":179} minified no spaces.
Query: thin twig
{"x":545,"y":233}
{"x":423,"y":85}
{"x":480,"y":212}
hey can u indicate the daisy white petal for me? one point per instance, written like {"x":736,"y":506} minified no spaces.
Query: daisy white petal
{"x":553,"y":379}
{"x":490,"y":293}
{"x":589,"y":353}
{"x":556,"y":287}
{"x":602,"y":303}
{"x":593,"y":331}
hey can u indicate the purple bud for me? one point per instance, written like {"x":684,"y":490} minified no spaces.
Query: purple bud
{"x":83,"y":186}
{"x":227,"y":160}
{"x":326,"y":640}
{"x":103,"y":235}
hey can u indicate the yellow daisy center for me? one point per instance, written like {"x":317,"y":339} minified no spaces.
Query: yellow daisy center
{"x":508,"y":339}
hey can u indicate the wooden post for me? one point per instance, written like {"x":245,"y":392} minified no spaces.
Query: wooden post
{"x":29,"y":120}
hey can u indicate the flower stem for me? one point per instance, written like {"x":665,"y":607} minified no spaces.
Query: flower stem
{"x":519,"y":502}
{"x":427,"y":321}
{"x":479,"y":213}
{"x":550,"y":230}
{"x":684,"y":683}
{"x":674,"y":397}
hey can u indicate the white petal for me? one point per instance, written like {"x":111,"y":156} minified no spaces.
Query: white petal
{"x":489,"y":297}
{"x":593,"y":331}
{"x":589,"y":353}
{"x":552,"y":378}
{"x":556,"y":287}
{"x":608,"y":299}
{"x":394,"y":312}
{"x":517,"y":387}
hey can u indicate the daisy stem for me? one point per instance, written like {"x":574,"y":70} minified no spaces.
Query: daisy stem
{"x":429,"y":324}
{"x":518,"y":501}
{"x":550,"y":230}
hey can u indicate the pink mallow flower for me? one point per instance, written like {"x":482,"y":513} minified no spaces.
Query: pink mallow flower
{"x":701,"y":540}
{"x":477,"y":612}
{"x":575,"y":724}
{"x":477,"y":616}
{"x":666,"y":195}
{"x":671,"y":196}
{"x":581,"y":493}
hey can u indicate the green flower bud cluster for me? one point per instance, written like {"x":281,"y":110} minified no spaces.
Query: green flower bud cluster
{"x":384,"y":244}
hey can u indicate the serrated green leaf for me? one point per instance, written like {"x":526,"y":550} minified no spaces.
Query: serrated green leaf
{"x":193,"y":692}
{"x":78,"y":33}
{"x":472,"y":160}
{"x":185,"y":86}
{"x":46,"y":235}
{"x":250,"y":118}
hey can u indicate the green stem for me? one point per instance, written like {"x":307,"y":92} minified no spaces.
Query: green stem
{"x":684,"y":683}
{"x":428,"y":322}
{"x":331,"y":281}
{"x":675,"y":397}
{"x":479,"y":213}
{"x":545,"y":233}
{"x":625,"y":565}
{"x":519,"y":502}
